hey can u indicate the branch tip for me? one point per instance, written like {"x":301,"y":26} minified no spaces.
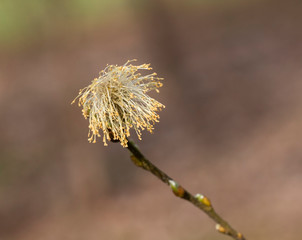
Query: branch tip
{"x":199,"y":200}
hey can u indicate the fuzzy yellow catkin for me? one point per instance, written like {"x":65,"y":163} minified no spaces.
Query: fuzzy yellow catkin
{"x":116,"y":101}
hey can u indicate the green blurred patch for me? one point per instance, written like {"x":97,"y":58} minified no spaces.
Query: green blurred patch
{"x":22,"y":20}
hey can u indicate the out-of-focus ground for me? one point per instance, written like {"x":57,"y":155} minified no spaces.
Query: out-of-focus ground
{"x":232,"y":127}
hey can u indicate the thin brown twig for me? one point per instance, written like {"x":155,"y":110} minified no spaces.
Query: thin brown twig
{"x":199,"y":201}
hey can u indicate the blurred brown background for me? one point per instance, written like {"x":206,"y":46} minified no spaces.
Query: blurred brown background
{"x":232,"y":126}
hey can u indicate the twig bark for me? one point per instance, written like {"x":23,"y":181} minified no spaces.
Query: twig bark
{"x":199,"y":200}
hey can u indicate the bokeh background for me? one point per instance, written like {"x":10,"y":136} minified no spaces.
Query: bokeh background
{"x":231,"y":130}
